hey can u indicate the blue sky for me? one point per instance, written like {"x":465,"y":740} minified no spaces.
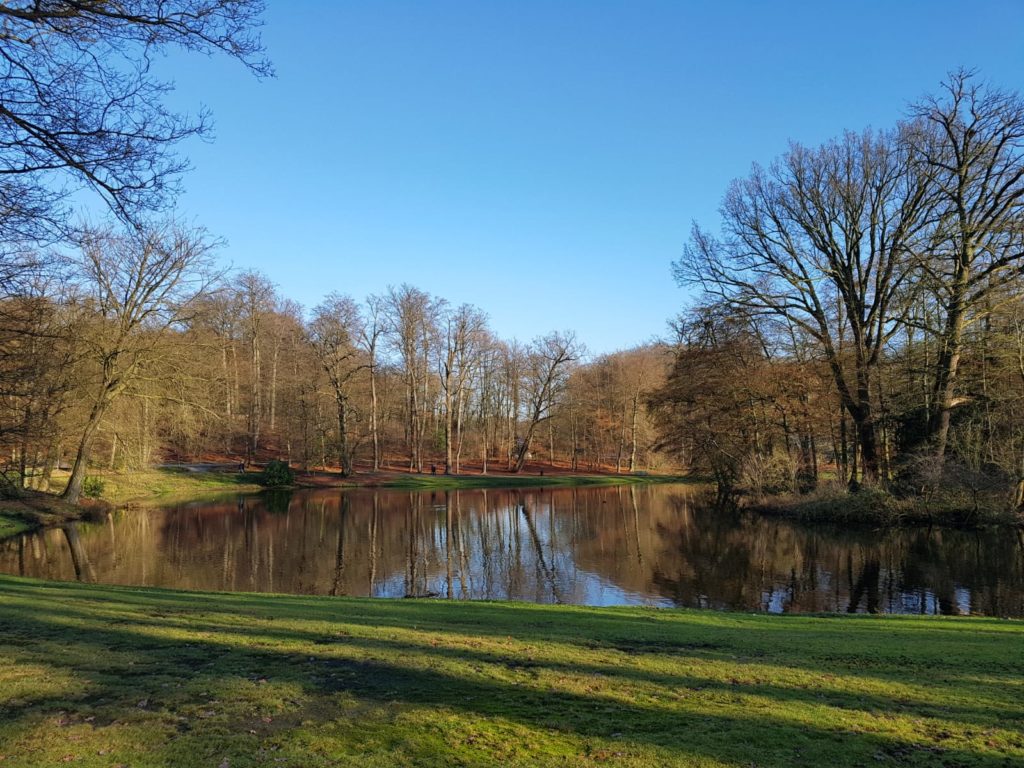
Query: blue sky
{"x":542,"y":160}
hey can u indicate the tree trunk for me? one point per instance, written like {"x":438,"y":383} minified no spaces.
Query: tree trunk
{"x":73,"y":491}
{"x":867,"y":439}
{"x":273,"y":386}
{"x":373,"y":413}
{"x":413,"y":442}
{"x":52,"y":454}
{"x":344,"y":457}
{"x":946,"y":370}
{"x":632,"y":447}
{"x":448,"y":425}
{"x":255,"y":406}
{"x":459,"y":417}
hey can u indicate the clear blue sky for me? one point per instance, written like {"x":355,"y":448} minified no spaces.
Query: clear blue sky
{"x":543,"y":160}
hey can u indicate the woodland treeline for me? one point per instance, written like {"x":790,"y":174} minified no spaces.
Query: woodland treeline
{"x":122,"y":345}
{"x":857,"y":319}
{"x":860,"y":313}
{"x":147,"y":359}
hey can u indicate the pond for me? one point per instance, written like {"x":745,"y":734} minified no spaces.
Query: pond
{"x":659,"y":545}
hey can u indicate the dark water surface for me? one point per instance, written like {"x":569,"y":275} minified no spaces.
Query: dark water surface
{"x":647,"y":545}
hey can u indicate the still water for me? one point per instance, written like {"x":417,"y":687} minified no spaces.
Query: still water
{"x":651,"y":545}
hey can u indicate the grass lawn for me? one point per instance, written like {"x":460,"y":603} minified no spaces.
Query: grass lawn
{"x":140,"y":486}
{"x":145,"y":485}
{"x":106,"y":676}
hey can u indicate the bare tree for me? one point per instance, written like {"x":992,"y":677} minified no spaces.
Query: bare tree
{"x":970,"y":144}
{"x":141,"y":285}
{"x":823,"y":238}
{"x":80,"y":105}
{"x":546,"y":375}
{"x":257,"y":300}
{"x":38,"y":375}
{"x":463,"y":329}
{"x":333,"y":331}
{"x":371,"y":331}
{"x":412,"y":329}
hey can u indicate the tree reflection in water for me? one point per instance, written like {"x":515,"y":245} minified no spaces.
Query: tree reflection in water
{"x":657,"y":545}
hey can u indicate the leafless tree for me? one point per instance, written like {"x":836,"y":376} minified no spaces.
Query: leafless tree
{"x":333,"y":332}
{"x":824,"y":238}
{"x":463,"y":330}
{"x":547,"y":371}
{"x":371,"y":331}
{"x":80,"y":105}
{"x":412,"y":330}
{"x":140,"y":284}
{"x":970,"y":146}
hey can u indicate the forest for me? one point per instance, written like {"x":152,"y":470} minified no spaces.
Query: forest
{"x":853,"y":323}
{"x":860,"y":317}
{"x":144,"y":360}
{"x":857,"y":323}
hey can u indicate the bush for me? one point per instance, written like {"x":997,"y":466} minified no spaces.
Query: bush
{"x":92,"y":487}
{"x":768,"y":475}
{"x":277,"y":473}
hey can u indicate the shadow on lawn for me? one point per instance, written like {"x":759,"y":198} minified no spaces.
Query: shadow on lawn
{"x":680,"y":716}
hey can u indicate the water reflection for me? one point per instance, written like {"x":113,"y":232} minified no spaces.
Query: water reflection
{"x":657,"y":545}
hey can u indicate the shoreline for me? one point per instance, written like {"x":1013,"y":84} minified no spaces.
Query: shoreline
{"x":38,"y":509}
{"x":878,"y":509}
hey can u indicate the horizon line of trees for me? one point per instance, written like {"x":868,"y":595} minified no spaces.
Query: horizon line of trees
{"x":138,"y":350}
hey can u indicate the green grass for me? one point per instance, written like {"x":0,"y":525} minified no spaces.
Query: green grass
{"x":449,"y":482}
{"x":37,"y":509}
{"x":155,"y":485}
{"x":105,"y":676}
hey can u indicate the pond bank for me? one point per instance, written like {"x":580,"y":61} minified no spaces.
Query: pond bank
{"x":424,"y":481}
{"x":107,"y":675}
{"x":202,"y":481}
{"x":878,"y":508}
{"x":35,"y":509}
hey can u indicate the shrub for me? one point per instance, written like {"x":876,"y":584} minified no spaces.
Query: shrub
{"x":277,"y":473}
{"x":92,"y":487}
{"x":767,"y":475}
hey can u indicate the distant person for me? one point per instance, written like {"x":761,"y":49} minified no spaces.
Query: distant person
{"x":433,"y":469}
{"x":241,"y":466}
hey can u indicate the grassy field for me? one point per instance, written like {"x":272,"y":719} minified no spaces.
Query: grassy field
{"x":103,"y":676}
{"x":158,"y":485}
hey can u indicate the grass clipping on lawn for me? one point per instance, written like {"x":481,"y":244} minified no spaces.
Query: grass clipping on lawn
{"x":106,"y":676}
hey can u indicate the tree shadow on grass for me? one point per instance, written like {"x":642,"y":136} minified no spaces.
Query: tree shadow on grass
{"x":759,"y":677}
{"x":113,"y":641}
{"x":941,"y":652}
